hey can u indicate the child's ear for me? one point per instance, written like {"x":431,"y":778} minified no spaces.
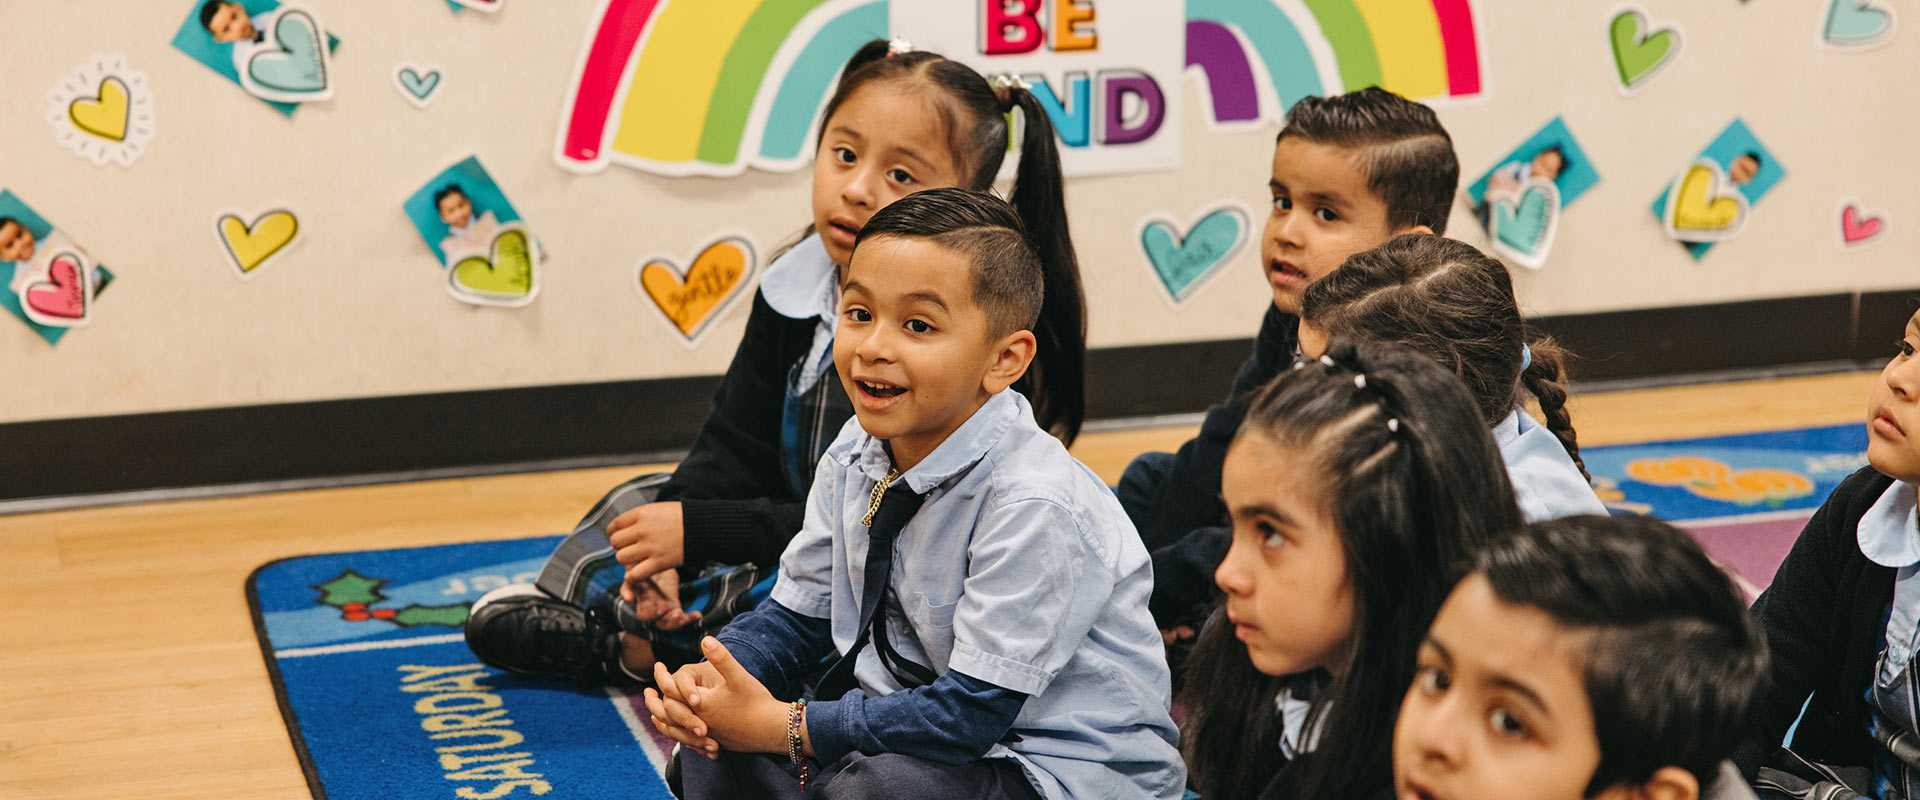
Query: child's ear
{"x":1667,"y":783}
{"x":1415,"y":229}
{"x":1012,"y":354}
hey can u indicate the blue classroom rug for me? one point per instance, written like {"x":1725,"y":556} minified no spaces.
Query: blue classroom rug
{"x":383,"y":700}
{"x":1745,"y":497}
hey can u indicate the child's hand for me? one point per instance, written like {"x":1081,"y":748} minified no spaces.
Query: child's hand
{"x":672,"y":717}
{"x":725,"y":703}
{"x":648,"y":539}
{"x":1501,"y":183}
{"x":656,"y":601}
{"x":1178,"y":633}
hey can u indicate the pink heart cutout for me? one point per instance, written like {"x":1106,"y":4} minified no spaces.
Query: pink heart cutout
{"x":1854,"y":229}
{"x":66,"y":296}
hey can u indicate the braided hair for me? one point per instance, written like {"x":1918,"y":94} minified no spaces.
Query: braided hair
{"x":1456,"y":305}
{"x":1413,"y":484}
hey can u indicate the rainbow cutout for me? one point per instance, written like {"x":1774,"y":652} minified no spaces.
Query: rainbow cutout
{"x":712,"y":87}
{"x":708,"y":87}
{"x":1422,"y":49}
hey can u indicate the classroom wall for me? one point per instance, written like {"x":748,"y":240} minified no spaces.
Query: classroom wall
{"x":359,"y":308}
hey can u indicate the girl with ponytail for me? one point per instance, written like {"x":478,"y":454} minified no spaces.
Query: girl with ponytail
{"x":663,"y":560}
{"x":1456,"y":305}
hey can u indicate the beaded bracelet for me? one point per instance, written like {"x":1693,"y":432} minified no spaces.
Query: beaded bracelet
{"x":795,"y":714}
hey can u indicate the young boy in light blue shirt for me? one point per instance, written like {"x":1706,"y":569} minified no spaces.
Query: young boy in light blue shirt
{"x":1005,"y":650}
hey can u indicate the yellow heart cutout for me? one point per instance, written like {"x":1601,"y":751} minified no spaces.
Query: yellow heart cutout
{"x":104,"y":116}
{"x":689,"y":303}
{"x":509,"y":273}
{"x":1695,"y":207}
{"x":252,"y":245}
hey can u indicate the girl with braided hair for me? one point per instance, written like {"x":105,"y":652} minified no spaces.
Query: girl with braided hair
{"x":1455,"y":305}
{"x":1359,"y":484}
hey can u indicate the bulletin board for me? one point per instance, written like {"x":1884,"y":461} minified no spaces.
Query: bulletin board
{"x":272,"y":216}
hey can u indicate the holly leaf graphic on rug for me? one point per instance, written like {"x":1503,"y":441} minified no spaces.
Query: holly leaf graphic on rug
{"x":351,"y":587}
{"x":354,"y":594}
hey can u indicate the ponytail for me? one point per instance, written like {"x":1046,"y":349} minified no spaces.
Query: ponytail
{"x":1546,"y":379}
{"x":1058,"y":374}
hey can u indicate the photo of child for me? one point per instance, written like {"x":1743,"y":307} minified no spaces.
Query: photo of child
{"x":222,"y":35}
{"x":29,"y":244}
{"x":1743,"y":169}
{"x":1519,"y":201}
{"x":463,"y":216}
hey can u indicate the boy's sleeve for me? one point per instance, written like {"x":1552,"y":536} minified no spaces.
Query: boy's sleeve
{"x":805,"y":583}
{"x":1036,"y":581}
{"x":953,"y":720}
{"x":776,"y":645}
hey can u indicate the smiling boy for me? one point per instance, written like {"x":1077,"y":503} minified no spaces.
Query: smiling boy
{"x":1348,"y":173}
{"x":984,"y":587}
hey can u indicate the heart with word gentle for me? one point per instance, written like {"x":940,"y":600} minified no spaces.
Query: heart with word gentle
{"x":692,"y":298}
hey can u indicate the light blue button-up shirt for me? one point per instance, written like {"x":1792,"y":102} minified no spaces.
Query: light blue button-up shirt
{"x":1021,"y":570}
{"x":1544,"y":477}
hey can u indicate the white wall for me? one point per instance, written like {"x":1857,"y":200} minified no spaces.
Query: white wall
{"x":358,"y":309}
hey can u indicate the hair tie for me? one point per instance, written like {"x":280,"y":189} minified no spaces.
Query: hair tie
{"x":1327,"y":360}
{"x":1526,"y":357}
{"x":1393,"y":425}
{"x":1003,"y":85}
{"x":1359,"y":381}
{"x":897,"y":46}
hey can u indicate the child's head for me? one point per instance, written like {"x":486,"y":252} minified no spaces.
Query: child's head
{"x":1548,"y":163}
{"x":1584,"y":657}
{"x":16,"y":242}
{"x":1350,"y":172}
{"x":227,"y":21}
{"x":1743,"y":168}
{"x":1894,"y":408}
{"x":901,"y":121}
{"x":1455,"y":305}
{"x":1359,"y":485}
{"x":455,"y":208}
{"x":936,"y":313}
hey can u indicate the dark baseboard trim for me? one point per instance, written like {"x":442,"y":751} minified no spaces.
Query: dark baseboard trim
{"x":642,"y":419}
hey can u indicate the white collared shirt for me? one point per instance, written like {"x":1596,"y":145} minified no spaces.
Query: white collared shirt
{"x":1889,"y":535}
{"x":1545,"y":479}
{"x":804,"y":282}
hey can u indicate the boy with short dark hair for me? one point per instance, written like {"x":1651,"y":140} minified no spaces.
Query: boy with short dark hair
{"x":985,"y":590}
{"x":1349,"y":172}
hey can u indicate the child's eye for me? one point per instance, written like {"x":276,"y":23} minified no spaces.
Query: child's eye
{"x":1270,"y":536}
{"x":900,"y":176}
{"x":1326,"y":215}
{"x":843,"y":154}
{"x":919,"y":326}
{"x":1283,"y":204}
{"x":859,"y":315}
{"x":1507,"y":725}
{"x":1432,"y":680}
{"x":1905,"y":347}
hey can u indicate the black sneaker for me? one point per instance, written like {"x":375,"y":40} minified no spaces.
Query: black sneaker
{"x":528,"y":632}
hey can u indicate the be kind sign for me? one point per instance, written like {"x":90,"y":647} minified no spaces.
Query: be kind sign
{"x":1107,"y":71}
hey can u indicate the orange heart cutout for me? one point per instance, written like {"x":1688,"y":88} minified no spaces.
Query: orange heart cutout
{"x":694,"y":298}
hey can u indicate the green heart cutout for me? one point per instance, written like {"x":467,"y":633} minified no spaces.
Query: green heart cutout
{"x":1638,"y":57}
{"x":509,"y":273}
{"x":1523,"y":226}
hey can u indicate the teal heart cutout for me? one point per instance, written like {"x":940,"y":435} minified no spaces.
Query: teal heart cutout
{"x":1851,"y":22}
{"x":1181,"y":262}
{"x":296,"y":66}
{"x":1638,"y":54}
{"x":418,"y":86}
{"x":1522,"y":228}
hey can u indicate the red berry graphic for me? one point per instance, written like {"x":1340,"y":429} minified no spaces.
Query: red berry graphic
{"x":355,"y":616}
{"x":354,"y":607}
{"x":384,"y":613}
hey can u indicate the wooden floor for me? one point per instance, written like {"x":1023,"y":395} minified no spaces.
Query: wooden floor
{"x":128,"y":665}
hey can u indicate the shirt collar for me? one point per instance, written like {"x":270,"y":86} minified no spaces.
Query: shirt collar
{"x":963,"y":448}
{"x":1889,"y":533}
{"x":1508,"y":430}
{"x":803,"y":282}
